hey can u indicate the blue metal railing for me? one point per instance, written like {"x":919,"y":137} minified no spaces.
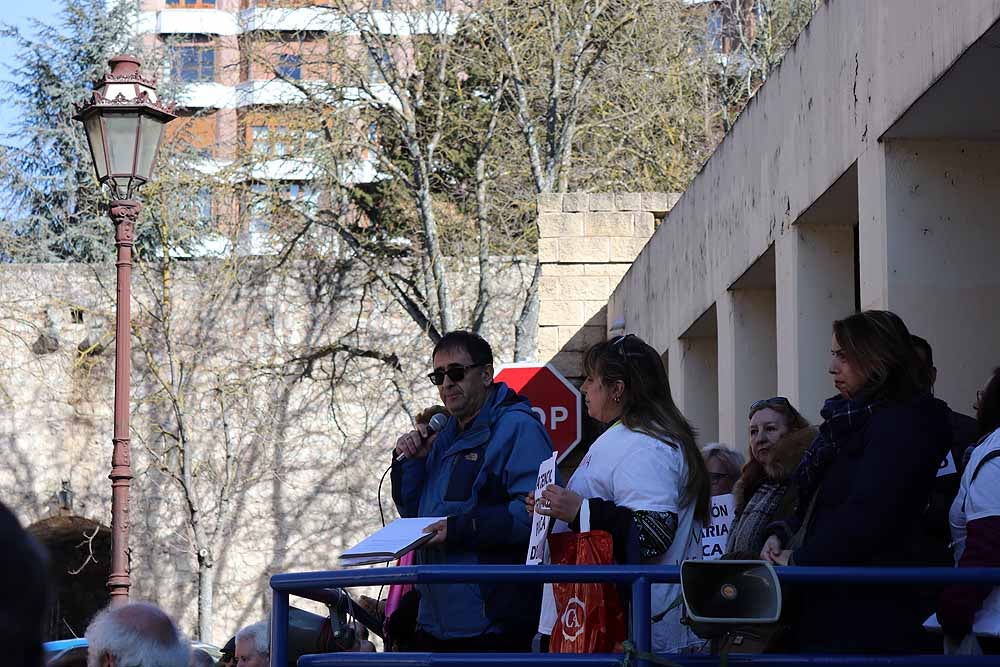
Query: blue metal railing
{"x":317,"y":585}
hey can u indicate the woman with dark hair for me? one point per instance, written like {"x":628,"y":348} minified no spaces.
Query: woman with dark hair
{"x":644,"y":480}
{"x":862,"y":488}
{"x":765,"y":493}
{"x":975,"y":529}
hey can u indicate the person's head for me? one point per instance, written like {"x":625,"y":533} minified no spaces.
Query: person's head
{"x":425,"y":415}
{"x":770,"y":420}
{"x":26,"y":588}
{"x":925,"y":355}
{"x":987,"y":404}
{"x":723,"y":465}
{"x":200,"y":658}
{"x":228,"y":657}
{"x":626,"y":380}
{"x":872,"y":354}
{"x":137,"y":634}
{"x":463,"y":373}
{"x":253,"y":647}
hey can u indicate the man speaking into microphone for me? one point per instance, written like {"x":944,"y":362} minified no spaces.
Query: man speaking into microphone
{"x":476,"y":471}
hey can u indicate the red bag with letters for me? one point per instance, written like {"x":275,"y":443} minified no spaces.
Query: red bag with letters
{"x":589,"y":616}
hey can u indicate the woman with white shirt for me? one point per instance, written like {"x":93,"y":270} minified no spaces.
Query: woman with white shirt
{"x":975,"y":531}
{"x":643,"y":481}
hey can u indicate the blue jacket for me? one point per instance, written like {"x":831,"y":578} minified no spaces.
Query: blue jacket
{"x":478,"y":479}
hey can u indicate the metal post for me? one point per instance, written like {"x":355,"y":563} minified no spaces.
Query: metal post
{"x":123,"y":213}
{"x":279,"y":629}
{"x":641,"y":626}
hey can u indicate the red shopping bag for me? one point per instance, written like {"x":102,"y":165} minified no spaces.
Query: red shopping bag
{"x":589,"y":617}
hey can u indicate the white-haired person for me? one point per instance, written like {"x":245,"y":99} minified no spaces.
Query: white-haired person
{"x":253,"y":647}
{"x":724,"y":465}
{"x":138,"y":634}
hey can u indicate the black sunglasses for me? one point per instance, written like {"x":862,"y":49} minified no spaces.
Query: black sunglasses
{"x":767,"y":403}
{"x":617,"y":345}
{"x":454,"y":373}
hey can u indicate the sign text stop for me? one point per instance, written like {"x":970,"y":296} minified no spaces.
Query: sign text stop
{"x":553,"y":398}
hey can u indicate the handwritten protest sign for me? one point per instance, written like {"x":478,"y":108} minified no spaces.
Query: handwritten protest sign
{"x":540,"y":523}
{"x":715,"y":534}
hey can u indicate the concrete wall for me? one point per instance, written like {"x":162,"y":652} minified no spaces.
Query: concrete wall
{"x":587,"y":241}
{"x":849,"y":173}
{"x":286,"y":457}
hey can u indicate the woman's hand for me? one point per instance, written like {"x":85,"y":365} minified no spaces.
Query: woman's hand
{"x":783,"y":557}
{"x":772,"y":550}
{"x":559,"y":503}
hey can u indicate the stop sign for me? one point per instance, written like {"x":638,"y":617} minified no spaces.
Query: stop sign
{"x":553,"y":398}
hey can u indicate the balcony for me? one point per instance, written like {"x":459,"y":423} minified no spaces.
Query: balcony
{"x":293,"y":19}
{"x":278,"y":91}
{"x":201,"y":95}
{"x":191,"y":21}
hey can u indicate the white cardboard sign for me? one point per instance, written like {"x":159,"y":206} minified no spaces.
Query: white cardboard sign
{"x":716,"y":533}
{"x":540,"y":523}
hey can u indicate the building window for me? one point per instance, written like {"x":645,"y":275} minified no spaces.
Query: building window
{"x":192,"y":4}
{"x":289,"y":66}
{"x":377,"y":64}
{"x":268,"y":140}
{"x":381,"y":4}
{"x":76,"y":315}
{"x":195,"y":63}
{"x":714,"y":35}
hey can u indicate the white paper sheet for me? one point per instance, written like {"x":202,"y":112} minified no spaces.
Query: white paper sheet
{"x":390,"y":542}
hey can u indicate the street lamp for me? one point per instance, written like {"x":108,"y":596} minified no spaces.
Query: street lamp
{"x":124,"y":122}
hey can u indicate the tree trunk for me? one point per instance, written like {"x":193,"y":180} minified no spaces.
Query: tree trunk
{"x":206,"y":594}
{"x":526,"y":329}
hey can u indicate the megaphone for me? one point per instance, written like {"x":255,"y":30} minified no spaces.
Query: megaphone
{"x":719,"y":594}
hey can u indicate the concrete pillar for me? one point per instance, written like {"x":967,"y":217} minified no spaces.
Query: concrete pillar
{"x":747,"y":358}
{"x":929,"y":243}
{"x":814,"y":266}
{"x":694,"y":383}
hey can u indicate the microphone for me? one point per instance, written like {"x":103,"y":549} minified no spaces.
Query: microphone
{"x":435,"y":425}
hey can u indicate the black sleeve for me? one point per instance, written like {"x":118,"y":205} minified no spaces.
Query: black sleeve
{"x":637,"y":535}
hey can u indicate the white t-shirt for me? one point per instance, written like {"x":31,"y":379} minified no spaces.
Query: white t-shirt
{"x":639,"y":472}
{"x":977,"y":500}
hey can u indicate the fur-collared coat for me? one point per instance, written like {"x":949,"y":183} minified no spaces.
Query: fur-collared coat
{"x":764,"y":493}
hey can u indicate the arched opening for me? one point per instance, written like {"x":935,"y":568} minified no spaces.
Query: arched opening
{"x":80,"y":553}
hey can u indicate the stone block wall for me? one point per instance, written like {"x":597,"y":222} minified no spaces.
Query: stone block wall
{"x":586,"y":243}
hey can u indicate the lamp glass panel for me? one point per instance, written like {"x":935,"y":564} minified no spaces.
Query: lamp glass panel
{"x":95,"y":137}
{"x":121,"y":133}
{"x":150,"y":129}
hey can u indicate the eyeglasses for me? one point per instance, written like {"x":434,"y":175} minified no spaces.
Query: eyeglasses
{"x":768,"y":403}
{"x":617,"y":344}
{"x":718,"y":476}
{"x":454,"y":373}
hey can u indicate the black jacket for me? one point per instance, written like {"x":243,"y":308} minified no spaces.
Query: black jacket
{"x":868,"y":511}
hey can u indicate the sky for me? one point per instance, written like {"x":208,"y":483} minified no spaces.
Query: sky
{"x":17,"y":13}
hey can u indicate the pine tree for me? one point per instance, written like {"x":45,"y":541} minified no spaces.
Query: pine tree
{"x":51,"y":200}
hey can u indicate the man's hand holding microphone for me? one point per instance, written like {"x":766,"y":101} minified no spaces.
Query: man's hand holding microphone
{"x":416,"y":444}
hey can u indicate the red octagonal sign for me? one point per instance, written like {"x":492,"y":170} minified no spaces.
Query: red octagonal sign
{"x":553,"y":398}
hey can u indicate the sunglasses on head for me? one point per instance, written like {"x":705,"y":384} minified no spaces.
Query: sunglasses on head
{"x":618,"y":345}
{"x":454,"y":373}
{"x":768,"y":403}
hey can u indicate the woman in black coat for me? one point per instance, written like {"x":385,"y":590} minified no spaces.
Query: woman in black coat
{"x":863,"y":487}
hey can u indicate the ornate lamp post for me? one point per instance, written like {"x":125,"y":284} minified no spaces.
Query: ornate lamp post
{"x":124,"y":122}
